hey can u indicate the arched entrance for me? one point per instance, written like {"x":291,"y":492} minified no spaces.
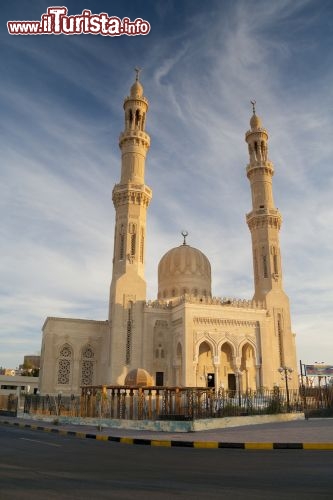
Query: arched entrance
{"x":227,"y":374}
{"x":205,"y":366}
{"x":248,"y":368}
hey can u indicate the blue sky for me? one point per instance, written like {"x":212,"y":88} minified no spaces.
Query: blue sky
{"x":61,"y":114}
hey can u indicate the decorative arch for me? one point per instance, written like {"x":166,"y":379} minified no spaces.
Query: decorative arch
{"x":65,"y":364}
{"x":250,"y":342}
{"x":227,"y":368}
{"x":226,"y":340}
{"x":248,"y":366}
{"x":130,"y":116}
{"x":87,"y":365}
{"x":205,"y":362}
{"x":161,"y":352}
{"x":204,"y":338}
{"x":179,"y":350}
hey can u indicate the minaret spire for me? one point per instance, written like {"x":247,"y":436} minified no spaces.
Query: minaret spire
{"x":131,"y":197}
{"x":137,"y":70}
{"x":264,"y":220}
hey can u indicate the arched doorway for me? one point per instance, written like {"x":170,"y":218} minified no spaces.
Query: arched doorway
{"x":205,"y":365}
{"x":227,"y":374}
{"x":248,"y":368}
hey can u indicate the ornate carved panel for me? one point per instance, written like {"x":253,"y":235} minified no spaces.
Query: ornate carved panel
{"x":223,"y":322}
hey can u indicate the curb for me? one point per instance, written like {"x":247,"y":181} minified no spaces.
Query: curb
{"x":175,"y":443}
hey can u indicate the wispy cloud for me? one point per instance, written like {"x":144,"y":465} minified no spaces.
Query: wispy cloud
{"x":60,"y":157}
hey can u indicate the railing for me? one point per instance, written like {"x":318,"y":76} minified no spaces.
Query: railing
{"x":165,"y":403}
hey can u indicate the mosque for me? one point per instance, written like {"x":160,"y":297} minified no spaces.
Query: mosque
{"x":186,"y":337}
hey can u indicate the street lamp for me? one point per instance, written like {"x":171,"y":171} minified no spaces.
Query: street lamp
{"x":285,"y":374}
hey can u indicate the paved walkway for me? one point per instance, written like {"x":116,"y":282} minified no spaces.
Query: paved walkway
{"x":300,"y":434}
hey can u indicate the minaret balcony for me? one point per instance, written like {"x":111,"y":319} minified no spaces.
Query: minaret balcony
{"x":130,"y":186}
{"x":136,"y":100}
{"x":138,"y":194}
{"x":134,"y":135}
{"x":261,"y":132}
{"x":263,"y":217}
{"x":263,"y":211}
{"x":260,"y":165}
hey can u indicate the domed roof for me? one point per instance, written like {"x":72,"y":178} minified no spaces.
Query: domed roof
{"x":255,"y":122}
{"x":181,"y":270}
{"x":139,"y":377}
{"x":136,"y":89}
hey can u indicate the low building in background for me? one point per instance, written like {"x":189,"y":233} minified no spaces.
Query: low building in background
{"x":12,"y":384}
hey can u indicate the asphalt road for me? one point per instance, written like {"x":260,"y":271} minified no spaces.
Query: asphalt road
{"x":40,"y":465}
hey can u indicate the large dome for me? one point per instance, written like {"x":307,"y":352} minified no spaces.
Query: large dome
{"x":181,"y":270}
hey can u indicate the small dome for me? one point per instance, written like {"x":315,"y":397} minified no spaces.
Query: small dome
{"x":139,"y":377}
{"x":136,"y":89}
{"x":255,"y":122}
{"x":181,"y":270}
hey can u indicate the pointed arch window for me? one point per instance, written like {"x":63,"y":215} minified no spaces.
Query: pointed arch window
{"x":129,"y":333}
{"x":65,"y":365}
{"x":137,"y":119}
{"x":131,"y":118}
{"x":263,"y":150}
{"x":132,"y":231}
{"x":264,"y":263}
{"x":276,"y":271}
{"x":122,"y":243}
{"x":255,"y":265}
{"x":133,"y":244}
{"x":159,"y":352}
{"x":87,"y":366}
{"x":256,"y":150}
{"x":275,"y":261}
{"x":142,"y":245}
{"x":280,"y":341}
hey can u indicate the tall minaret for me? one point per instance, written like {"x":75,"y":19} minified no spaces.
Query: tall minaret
{"x":131,"y":198}
{"x":264,"y":222}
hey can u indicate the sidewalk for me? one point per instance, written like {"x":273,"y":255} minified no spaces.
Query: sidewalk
{"x":301,"y":434}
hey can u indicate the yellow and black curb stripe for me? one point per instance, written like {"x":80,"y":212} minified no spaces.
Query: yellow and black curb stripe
{"x":175,"y":443}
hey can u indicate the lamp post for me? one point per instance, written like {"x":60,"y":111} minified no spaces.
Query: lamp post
{"x":238,"y":375}
{"x":285,"y":374}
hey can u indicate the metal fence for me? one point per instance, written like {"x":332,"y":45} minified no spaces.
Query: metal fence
{"x":8,"y":404}
{"x":317,"y":401}
{"x":165,"y":403}
{"x":35,"y":404}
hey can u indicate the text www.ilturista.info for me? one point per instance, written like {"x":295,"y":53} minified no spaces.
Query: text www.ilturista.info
{"x":56,"y":22}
